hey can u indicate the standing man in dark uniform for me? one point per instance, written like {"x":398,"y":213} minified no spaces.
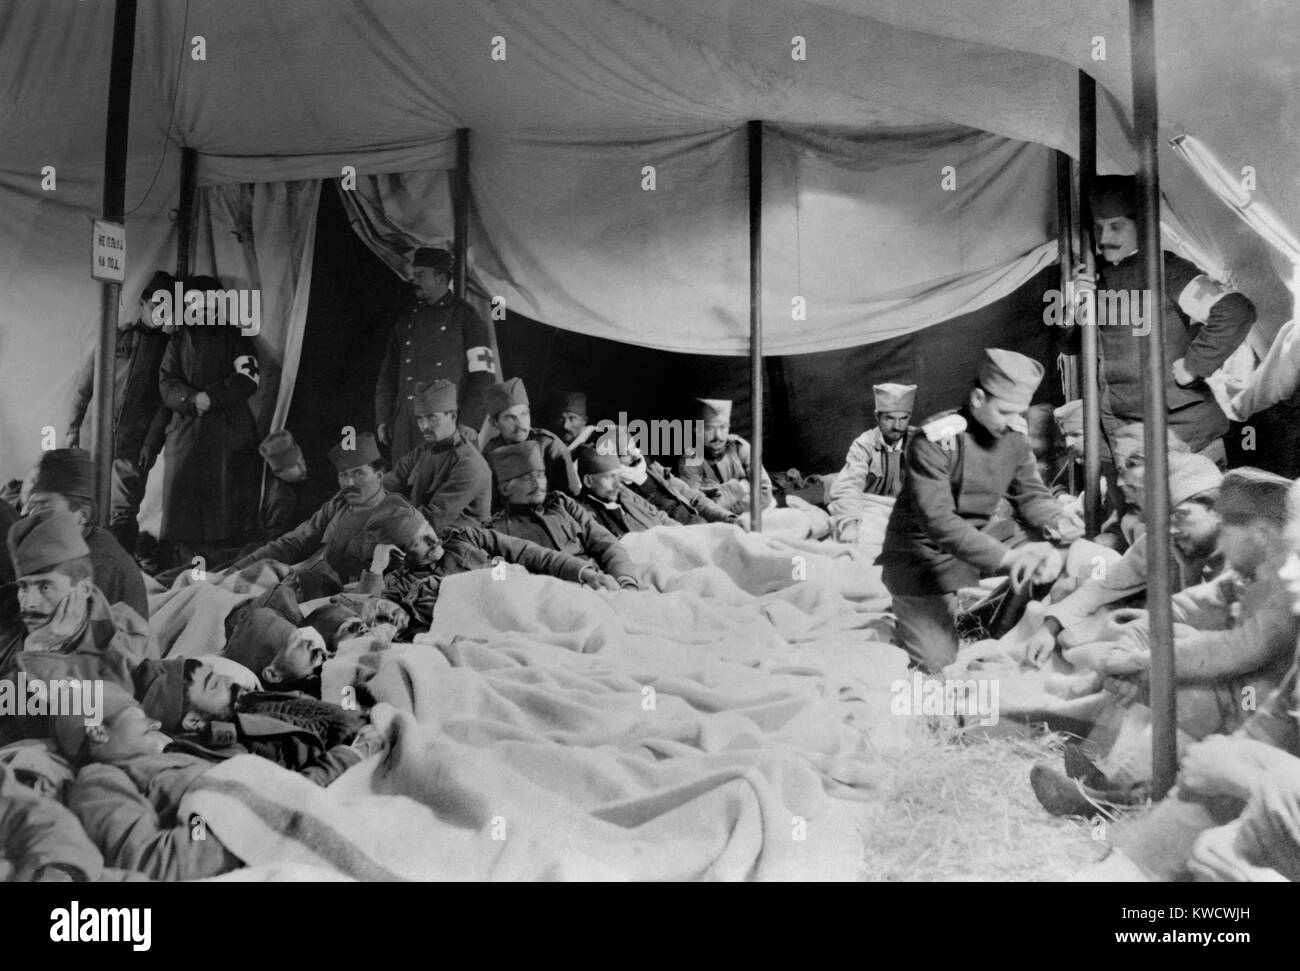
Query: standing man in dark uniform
{"x":139,"y":415}
{"x":210,"y":489}
{"x":441,"y":337}
{"x":958,"y":468}
{"x":1204,"y":323}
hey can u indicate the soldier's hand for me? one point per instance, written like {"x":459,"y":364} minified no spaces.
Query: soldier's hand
{"x":1126,"y":691}
{"x":1182,"y":376}
{"x":369,"y":741}
{"x":383,"y":433}
{"x":381,"y":557}
{"x":1083,"y":295}
{"x":74,"y":439}
{"x":628,"y":582}
{"x":596,"y":579}
{"x":148,"y":454}
{"x":1039,"y":648}
{"x":1066,"y":529}
{"x":1025,"y":562}
{"x":202,"y":402}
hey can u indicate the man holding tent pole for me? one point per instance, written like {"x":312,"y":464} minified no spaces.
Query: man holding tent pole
{"x":958,"y":468}
{"x":1211,"y":321}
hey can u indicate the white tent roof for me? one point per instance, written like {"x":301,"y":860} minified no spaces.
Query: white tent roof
{"x":297,"y":88}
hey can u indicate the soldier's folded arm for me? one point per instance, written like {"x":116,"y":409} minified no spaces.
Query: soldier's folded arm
{"x":605,"y":549}
{"x":126,"y":828}
{"x":1227,"y":315}
{"x":532,"y":556}
{"x":1219,"y":655}
{"x":931,"y":488}
{"x":296,"y":545}
{"x":465,"y":484}
{"x":396,"y":479}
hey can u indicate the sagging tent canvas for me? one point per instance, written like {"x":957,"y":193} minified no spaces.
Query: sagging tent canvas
{"x":572,"y":107}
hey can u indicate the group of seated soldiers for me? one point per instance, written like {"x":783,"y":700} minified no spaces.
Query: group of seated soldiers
{"x":974,"y":486}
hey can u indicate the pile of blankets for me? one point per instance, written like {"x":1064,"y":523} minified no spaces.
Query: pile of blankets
{"x":733,"y":724}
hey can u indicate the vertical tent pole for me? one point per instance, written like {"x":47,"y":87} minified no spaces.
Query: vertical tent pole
{"x":1065,"y":237}
{"x":460,"y":217}
{"x":1159,"y":593}
{"x":185,"y":214}
{"x":114,"y":210}
{"x":1089,"y":353}
{"x":756,"y":323}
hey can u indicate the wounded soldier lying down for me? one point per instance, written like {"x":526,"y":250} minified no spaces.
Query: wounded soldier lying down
{"x":128,"y":799}
{"x":428,"y":557}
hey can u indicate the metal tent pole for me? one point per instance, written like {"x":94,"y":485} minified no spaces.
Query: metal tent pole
{"x":1159,"y":590}
{"x":114,"y":210}
{"x":1089,"y":352}
{"x":755,"y":132}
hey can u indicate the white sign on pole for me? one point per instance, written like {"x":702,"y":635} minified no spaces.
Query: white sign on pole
{"x":108,"y":251}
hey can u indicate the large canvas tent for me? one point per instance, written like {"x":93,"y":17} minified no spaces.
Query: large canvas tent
{"x":573,"y":107}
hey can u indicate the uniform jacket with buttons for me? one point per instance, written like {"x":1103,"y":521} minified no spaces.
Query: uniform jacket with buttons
{"x":445,"y":339}
{"x":1204,"y":322}
{"x":449,"y":481}
{"x":211,"y":488}
{"x":710,"y":476}
{"x":465,"y":548}
{"x":935,"y":541}
{"x":628,"y":513}
{"x":562,"y":523}
{"x":335,"y":533}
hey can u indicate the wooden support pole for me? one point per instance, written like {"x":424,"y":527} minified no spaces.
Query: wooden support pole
{"x":1089,"y":352}
{"x":460,"y":210}
{"x":756,"y":324}
{"x":114,"y":210}
{"x":1065,"y":242}
{"x":185,"y":214}
{"x":1159,"y":588}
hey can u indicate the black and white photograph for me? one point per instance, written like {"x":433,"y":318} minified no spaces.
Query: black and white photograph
{"x":649,"y":441}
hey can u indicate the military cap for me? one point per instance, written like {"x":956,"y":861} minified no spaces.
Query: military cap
{"x":161,"y":688}
{"x":281,"y":451}
{"x":161,"y":280}
{"x":69,"y":731}
{"x":37,"y":544}
{"x":1248,"y":494}
{"x":594,"y":461}
{"x":67,"y":471}
{"x":575,"y":402}
{"x":894,"y":397}
{"x":1191,"y":475}
{"x":397,"y":525}
{"x":365,"y":452}
{"x":507,"y":394}
{"x":511,"y":461}
{"x":258,"y":638}
{"x":327,"y":619}
{"x":1009,"y":376}
{"x":1130,"y":443}
{"x":1069,"y":417}
{"x":436,"y":259}
{"x":1114,"y":195}
{"x":437,"y":396}
{"x":713,"y":409}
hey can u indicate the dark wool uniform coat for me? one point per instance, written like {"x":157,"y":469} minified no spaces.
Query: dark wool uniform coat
{"x":629,"y":513}
{"x":465,"y":548}
{"x":1204,"y":323}
{"x":446,"y":339}
{"x":561,"y":523}
{"x":335,"y":533}
{"x":139,"y":415}
{"x":448,"y":481}
{"x":934,"y":543}
{"x":211,"y":486}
